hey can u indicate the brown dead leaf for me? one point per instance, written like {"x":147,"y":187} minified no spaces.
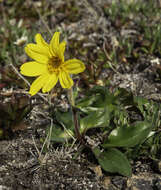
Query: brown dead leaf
{"x":97,"y":170}
{"x":106,"y":182}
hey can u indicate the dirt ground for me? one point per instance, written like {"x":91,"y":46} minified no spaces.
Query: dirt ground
{"x":20,"y":165}
{"x":20,"y":168}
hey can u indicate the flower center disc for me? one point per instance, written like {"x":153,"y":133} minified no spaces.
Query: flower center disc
{"x":54,"y":64}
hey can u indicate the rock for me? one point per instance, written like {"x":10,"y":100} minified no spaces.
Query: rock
{"x":119,"y":182}
{"x":144,"y":181}
{"x":142,"y":184}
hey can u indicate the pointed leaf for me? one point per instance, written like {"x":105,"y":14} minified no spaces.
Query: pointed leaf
{"x":87,"y":101}
{"x":97,"y":97}
{"x":99,"y":118}
{"x":93,"y":120}
{"x":128,"y":136}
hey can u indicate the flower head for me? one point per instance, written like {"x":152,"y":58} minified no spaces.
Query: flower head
{"x":49,"y":65}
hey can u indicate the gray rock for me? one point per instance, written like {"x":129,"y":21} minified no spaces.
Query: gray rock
{"x":144,"y":181}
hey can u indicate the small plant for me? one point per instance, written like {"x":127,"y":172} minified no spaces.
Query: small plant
{"x":105,"y":113}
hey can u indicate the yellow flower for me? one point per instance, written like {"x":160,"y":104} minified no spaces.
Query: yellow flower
{"x":49,"y":65}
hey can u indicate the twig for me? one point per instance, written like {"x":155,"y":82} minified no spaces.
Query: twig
{"x":10,"y":93}
{"x":48,"y":138}
{"x":68,"y":132}
{"x":41,"y":95}
{"x":41,"y":158}
{"x":35,"y":145}
{"x":16,"y":71}
{"x":46,"y":142}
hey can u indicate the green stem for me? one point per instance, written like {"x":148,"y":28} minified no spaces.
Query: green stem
{"x":71,"y":97}
{"x":74,"y":113}
{"x":76,"y":123}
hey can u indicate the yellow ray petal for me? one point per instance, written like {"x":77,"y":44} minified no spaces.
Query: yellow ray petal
{"x":54,"y":43}
{"x":53,"y":79}
{"x":38,"y":53}
{"x":65,"y":80}
{"x":74,"y":66}
{"x":61,"y":50}
{"x":40,"y":49}
{"x":32,"y":69}
{"x":42,"y":45}
{"x":62,"y":46}
{"x":39,"y":40}
{"x":38,"y":84}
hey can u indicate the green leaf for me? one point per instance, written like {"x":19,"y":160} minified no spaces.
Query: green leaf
{"x":144,"y":49}
{"x":93,"y":120}
{"x":128,"y":136}
{"x":105,"y":97}
{"x":65,"y":118}
{"x":99,"y":118}
{"x":60,"y":135}
{"x":87,"y":101}
{"x":114,"y":161}
{"x":124,"y":96}
{"x":141,"y":102}
{"x":97,"y":97}
{"x":88,"y":109}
